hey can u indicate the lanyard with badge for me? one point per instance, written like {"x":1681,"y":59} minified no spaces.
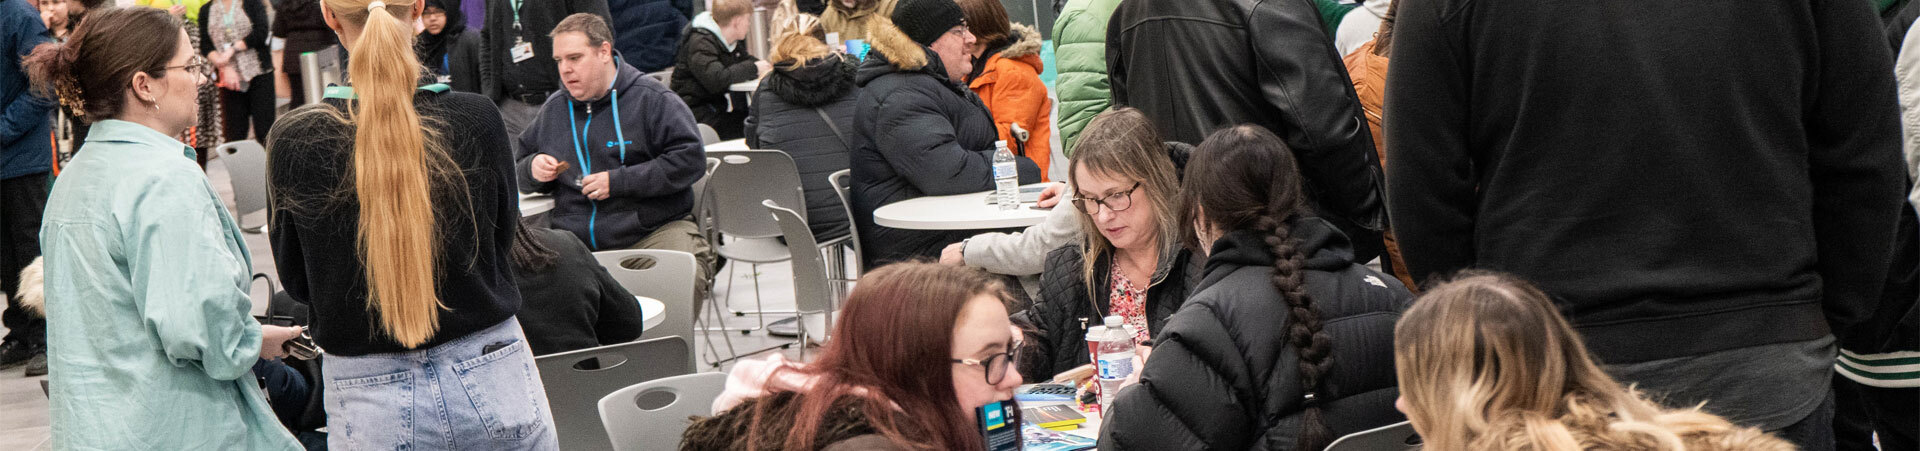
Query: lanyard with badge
{"x":521,"y":50}
{"x":446,"y":71}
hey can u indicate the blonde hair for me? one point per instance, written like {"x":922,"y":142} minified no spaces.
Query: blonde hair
{"x":1123,"y":143}
{"x":1486,"y":362}
{"x":798,"y":41}
{"x":396,"y":161}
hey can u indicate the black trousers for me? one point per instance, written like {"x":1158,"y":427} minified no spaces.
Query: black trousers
{"x":22,"y":201}
{"x":1861,"y":411}
{"x":255,"y":105}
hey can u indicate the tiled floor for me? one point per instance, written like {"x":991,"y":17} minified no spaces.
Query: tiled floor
{"x":23,"y":407}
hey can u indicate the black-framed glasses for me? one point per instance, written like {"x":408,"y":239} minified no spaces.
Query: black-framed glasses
{"x":1116,"y":202}
{"x":198,"y":66}
{"x":995,"y":365}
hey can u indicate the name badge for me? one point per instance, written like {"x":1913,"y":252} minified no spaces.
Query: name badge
{"x":522,"y":51}
{"x":444,"y":79}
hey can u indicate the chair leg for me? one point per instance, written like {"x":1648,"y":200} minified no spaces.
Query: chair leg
{"x":715,"y":352}
{"x":727,"y":302}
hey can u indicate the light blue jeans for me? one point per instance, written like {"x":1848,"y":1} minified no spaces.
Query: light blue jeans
{"x":454,"y":396}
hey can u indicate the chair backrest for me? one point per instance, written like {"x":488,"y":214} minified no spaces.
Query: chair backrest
{"x":666,"y":276}
{"x":664,"y":76}
{"x":577,"y":380}
{"x":812,"y":292}
{"x":842,"y":181}
{"x":701,"y":211}
{"x":1393,"y":437}
{"x":246,"y":165}
{"x":652,"y":415}
{"x":707,"y":135}
{"x":744,"y":179}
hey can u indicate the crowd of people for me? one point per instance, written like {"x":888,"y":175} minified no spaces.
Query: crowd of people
{"x":1604,"y":226}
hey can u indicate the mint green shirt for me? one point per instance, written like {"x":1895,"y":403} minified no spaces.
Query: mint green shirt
{"x":149,"y":338}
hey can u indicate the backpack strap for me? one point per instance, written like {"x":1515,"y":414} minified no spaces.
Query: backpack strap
{"x":834,"y":127}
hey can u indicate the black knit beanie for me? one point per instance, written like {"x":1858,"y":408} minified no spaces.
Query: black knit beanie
{"x":925,"y":20}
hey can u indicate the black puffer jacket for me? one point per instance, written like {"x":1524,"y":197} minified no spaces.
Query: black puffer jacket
{"x":1223,"y":374}
{"x":703,"y":75}
{"x":916,"y":133}
{"x":790,"y":114}
{"x":1056,"y":325}
{"x":1291,"y":81}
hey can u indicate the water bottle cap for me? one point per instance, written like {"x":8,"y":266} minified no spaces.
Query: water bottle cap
{"x":1115,"y":321}
{"x":1001,"y":144}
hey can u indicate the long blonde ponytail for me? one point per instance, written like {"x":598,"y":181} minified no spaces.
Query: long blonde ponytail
{"x":394,"y":163}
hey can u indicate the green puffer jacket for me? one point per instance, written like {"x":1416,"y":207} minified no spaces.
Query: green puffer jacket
{"x":1080,"y":54}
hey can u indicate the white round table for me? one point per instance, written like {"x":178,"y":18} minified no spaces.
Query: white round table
{"x":533,"y":204}
{"x":652,"y":312}
{"x":745,"y":86}
{"x":957,"y":212}
{"x":735,"y":144}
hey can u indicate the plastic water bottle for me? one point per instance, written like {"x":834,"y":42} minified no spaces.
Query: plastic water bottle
{"x":1115,"y":362}
{"x":1006,"y":177}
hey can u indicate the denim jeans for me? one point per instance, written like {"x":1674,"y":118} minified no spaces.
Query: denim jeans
{"x":453,"y":396}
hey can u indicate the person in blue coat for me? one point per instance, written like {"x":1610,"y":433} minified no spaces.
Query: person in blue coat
{"x":25,"y":158}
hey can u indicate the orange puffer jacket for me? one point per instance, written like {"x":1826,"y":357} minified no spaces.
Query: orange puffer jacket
{"x":1010,"y":86}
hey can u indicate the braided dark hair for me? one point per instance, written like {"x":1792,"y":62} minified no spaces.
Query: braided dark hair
{"x":1245,"y":178}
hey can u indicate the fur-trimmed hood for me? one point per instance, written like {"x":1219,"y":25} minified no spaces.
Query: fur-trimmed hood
{"x":812,"y":83}
{"x":32,"y":294}
{"x":1026,"y":41}
{"x":898,"y":49}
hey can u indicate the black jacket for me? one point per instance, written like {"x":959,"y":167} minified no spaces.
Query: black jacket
{"x":310,"y":156}
{"x":574,"y":304}
{"x":917,"y":133}
{"x":703,"y":75}
{"x":461,"y":62}
{"x":654,"y":157}
{"x":1730,"y":188}
{"x":531,"y":80}
{"x":257,"y":37}
{"x":300,"y":23}
{"x":788,"y":115}
{"x":1193,"y":66}
{"x":1223,"y":374}
{"x":1056,"y":324}
{"x":649,"y":30}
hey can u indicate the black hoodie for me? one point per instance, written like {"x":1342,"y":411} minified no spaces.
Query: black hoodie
{"x":791,"y":113}
{"x":1223,"y":373}
{"x":649,"y":144}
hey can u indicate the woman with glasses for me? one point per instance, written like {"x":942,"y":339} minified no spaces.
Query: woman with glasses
{"x":1129,"y":259}
{"x":919,"y":347}
{"x":147,"y":352}
{"x":1283,"y":325}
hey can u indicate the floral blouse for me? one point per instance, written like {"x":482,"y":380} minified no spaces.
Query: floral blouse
{"x":1130,"y":302}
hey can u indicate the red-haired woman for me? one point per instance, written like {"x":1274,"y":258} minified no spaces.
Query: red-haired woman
{"x":884,"y":381}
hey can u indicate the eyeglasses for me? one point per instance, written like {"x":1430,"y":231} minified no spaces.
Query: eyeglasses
{"x":1115,"y":202}
{"x":961,"y":28}
{"x":995,"y":365}
{"x":197,"y":66}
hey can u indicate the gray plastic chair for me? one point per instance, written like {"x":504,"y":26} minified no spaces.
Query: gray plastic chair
{"x":842,"y":181}
{"x":246,"y":165}
{"x":707,"y":135}
{"x":1393,"y":437}
{"x":577,"y":380}
{"x":746,"y":233}
{"x":664,"y":76}
{"x":812,"y":292}
{"x":652,"y":416}
{"x":667,"y":276}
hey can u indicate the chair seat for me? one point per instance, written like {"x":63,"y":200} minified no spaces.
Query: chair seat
{"x":754,"y":250}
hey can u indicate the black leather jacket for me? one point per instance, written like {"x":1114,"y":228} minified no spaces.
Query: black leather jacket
{"x":1195,"y":66}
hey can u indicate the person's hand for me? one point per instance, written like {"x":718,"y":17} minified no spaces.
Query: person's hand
{"x":545,"y":168}
{"x":46,"y":19}
{"x":596,"y":186}
{"x":1052,"y":195}
{"x":177,"y":10}
{"x":273,"y":340}
{"x":763,"y":67}
{"x":951,"y":255}
{"x":238,"y":47}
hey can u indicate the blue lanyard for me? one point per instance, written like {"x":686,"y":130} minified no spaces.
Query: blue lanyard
{"x":445,"y":69}
{"x":579,"y":135}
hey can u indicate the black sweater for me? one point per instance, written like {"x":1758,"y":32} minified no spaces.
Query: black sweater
{"x":1682,"y":177}
{"x":314,"y":217}
{"x":574,"y":304}
{"x":532,"y":79}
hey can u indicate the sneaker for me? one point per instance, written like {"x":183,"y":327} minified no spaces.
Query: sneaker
{"x":14,"y":353}
{"x":37,"y":366}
